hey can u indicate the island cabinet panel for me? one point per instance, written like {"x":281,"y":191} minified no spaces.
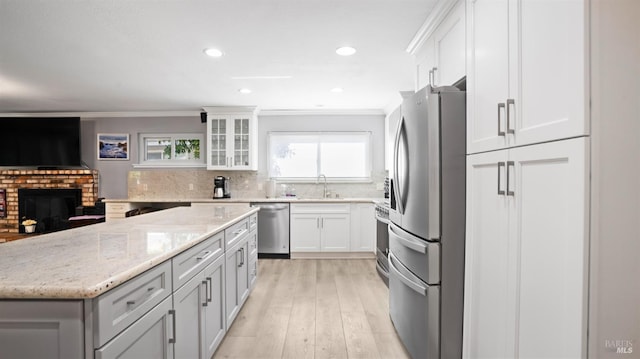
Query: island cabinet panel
{"x":237,"y":280}
{"x":214,"y":312}
{"x":32,"y":329}
{"x":193,"y":260}
{"x":150,"y":337}
{"x":199,"y":313}
{"x":236,"y":233}
{"x":123,"y":305}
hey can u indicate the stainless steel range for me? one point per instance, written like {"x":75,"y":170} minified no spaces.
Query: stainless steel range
{"x":382,"y":240}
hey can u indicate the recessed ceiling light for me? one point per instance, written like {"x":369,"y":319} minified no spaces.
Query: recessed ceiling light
{"x":244,"y":91}
{"x":213,"y":52}
{"x":276,"y":77}
{"x":345,"y":51}
{"x":337,"y":89}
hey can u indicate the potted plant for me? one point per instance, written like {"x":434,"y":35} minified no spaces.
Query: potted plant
{"x":29,"y":225}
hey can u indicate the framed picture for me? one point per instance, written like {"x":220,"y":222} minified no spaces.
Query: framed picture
{"x":113,"y":146}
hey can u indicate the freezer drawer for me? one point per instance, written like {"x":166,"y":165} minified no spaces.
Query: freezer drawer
{"x":422,"y":258}
{"x":414,"y":310}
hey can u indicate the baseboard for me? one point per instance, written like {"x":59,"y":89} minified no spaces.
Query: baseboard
{"x":333,"y":255}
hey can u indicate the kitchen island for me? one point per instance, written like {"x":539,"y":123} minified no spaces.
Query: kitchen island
{"x":129,"y":286}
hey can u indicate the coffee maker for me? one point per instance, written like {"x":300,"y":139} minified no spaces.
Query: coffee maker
{"x":221,"y":187}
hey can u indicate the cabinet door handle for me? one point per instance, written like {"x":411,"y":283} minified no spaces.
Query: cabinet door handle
{"x":512,"y":165}
{"x":204,"y":303}
{"x":241,"y":256}
{"x":210,"y":286}
{"x":501,"y":192}
{"x":172,"y":312}
{"x":501,"y":108}
{"x":510,"y":102}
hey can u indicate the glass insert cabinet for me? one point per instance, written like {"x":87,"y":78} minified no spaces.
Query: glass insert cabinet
{"x":232,"y":138}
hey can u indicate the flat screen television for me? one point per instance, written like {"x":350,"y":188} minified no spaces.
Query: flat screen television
{"x":40,"y":142}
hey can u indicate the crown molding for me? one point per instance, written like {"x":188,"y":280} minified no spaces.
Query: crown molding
{"x":439,"y":12}
{"x":312,"y":112}
{"x":105,"y":114}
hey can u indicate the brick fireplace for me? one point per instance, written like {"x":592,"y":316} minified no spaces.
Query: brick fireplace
{"x":13,"y":180}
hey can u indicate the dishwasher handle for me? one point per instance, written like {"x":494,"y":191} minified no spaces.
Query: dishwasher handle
{"x":271,"y":207}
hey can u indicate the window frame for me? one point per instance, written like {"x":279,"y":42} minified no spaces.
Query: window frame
{"x":172,"y":162}
{"x":320,"y":135}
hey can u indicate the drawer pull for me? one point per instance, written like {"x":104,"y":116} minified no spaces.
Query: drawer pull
{"x":238,"y":232}
{"x":149,"y":290}
{"x":204,"y":255}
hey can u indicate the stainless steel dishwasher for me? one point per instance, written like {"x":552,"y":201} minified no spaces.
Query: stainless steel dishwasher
{"x":273,"y":229}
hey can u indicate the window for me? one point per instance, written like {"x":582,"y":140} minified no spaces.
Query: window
{"x":303,"y":156}
{"x":171,"y":149}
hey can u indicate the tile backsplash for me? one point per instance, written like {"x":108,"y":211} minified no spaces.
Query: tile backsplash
{"x":198,"y":184}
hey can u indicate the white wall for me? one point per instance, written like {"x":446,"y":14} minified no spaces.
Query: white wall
{"x":614,"y":300}
{"x":113,"y":174}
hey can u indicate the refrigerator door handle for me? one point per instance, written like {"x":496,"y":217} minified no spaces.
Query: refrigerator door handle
{"x":433,"y":155}
{"x":413,"y":244}
{"x":408,"y":282}
{"x":397,"y":192}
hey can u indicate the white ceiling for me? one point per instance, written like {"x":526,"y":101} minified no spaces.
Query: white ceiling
{"x":147,"y":55}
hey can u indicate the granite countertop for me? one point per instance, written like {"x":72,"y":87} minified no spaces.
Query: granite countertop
{"x":247,"y":200}
{"x":87,"y":261}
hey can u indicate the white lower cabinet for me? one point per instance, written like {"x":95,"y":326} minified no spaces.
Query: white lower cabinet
{"x":149,"y":337}
{"x":236,"y":279}
{"x":526,"y":252}
{"x":363,"y":227}
{"x":320,"y":227}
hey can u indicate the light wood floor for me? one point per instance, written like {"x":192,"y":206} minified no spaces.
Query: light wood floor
{"x":308,"y":308}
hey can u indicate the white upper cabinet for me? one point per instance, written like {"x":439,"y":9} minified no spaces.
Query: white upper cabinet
{"x":450,"y":46}
{"x":232,"y":138}
{"x":526,"y":72}
{"x":440,"y":58}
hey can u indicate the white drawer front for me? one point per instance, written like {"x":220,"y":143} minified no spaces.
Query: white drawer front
{"x":193,"y":260}
{"x":117,"y":309}
{"x":320,"y":208}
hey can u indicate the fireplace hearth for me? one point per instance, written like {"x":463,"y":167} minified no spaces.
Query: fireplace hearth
{"x":51,"y":208}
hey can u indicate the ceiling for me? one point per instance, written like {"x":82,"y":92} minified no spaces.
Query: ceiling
{"x":147,"y":55}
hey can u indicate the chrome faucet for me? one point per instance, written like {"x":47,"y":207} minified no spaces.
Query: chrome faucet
{"x":324,"y":194}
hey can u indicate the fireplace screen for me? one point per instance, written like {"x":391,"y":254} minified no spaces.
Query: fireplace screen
{"x":51,"y":208}
{"x":3,"y":203}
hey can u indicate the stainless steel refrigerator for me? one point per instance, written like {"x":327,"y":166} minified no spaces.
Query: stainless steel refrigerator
{"x":427,"y":223}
